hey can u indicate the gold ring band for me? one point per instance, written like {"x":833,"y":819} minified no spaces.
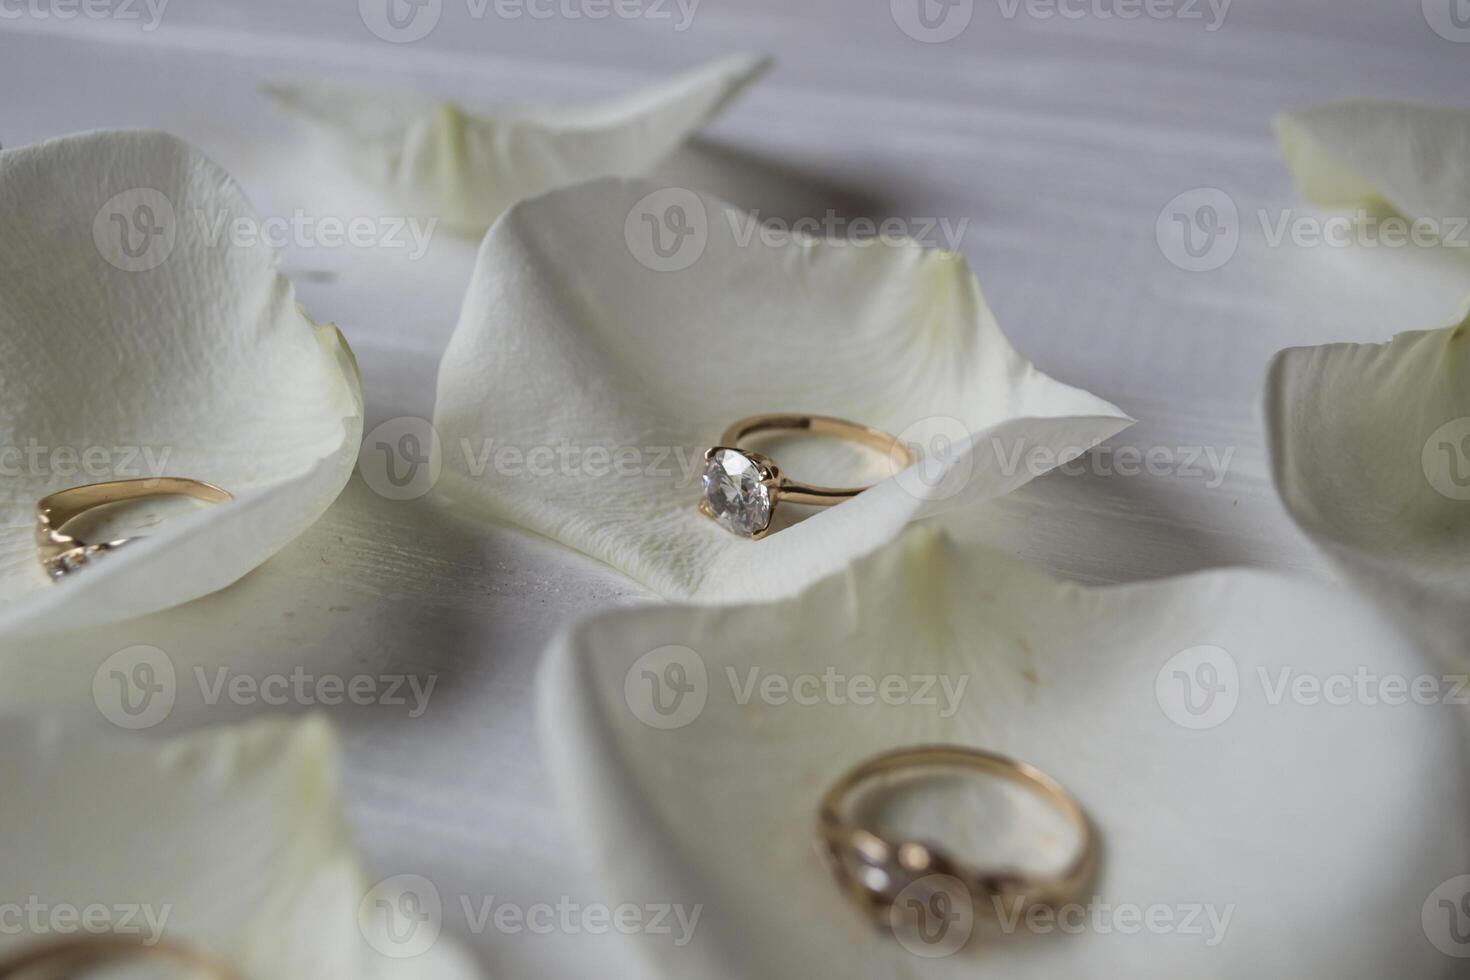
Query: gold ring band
{"x":875,"y":870}
{"x":62,"y":959}
{"x":61,"y":554}
{"x":742,"y":488}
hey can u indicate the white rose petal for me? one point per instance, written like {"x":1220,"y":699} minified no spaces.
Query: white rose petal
{"x":1244,"y":814}
{"x":466,"y":167}
{"x":231,"y":841}
{"x":613,"y":330}
{"x":1370,"y":450}
{"x":1415,"y":158}
{"x":136,"y":341}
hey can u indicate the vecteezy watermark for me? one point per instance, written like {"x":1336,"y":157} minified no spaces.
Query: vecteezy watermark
{"x":1201,"y":688}
{"x":1204,"y":921}
{"x":669,"y":688}
{"x":1208,"y":464}
{"x":402,"y":458}
{"x":1445,"y":917}
{"x":1450,"y":19}
{"x":937,"y":21}
{"x":932,"y":21}
{"x":406,"y":21}
{"x":669,"y":229}
{"x":403,"y":917}
{"x":1201,"y":230}
{"x":302,"y":230}
{"x":1209,"y":13}
{"x":137,"y":687}
{"x":1446,"y":459}
{"x":34,"y":917}
{"x":678,"y":465}
{"x":1198,"y":688}
{"x":1361,"y":228}
{"x":948,"y":455}
{"x":148,"y":14}
{"x":93,"y":462}
{"x":135,"y":230}
{"x":935,"y":916}
{"x":837,"y":230}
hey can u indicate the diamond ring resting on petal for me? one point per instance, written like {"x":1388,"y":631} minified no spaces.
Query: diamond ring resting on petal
{"x":742,"y":488}
{"x":61,"y":553}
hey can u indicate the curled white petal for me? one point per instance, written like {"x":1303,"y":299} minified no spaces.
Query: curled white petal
{"x":137,"y":341}
{"x":231,"y":841}
{"x":1414,"y":158}
{"x":1370,"y":451}
{"x":466,"y":167}
{"x":1241,"y":813}
{"x":613,"y":330}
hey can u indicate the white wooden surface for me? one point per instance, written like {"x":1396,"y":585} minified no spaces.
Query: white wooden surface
{"x":1060,"y":140}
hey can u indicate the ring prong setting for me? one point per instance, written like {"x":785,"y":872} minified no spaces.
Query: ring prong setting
{"x":740,"y":491}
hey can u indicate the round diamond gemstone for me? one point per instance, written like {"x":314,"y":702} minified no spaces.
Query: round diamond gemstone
{"x":734,"y":493}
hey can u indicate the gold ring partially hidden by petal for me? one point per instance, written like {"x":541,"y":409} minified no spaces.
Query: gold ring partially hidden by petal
{"x":61,"y":553}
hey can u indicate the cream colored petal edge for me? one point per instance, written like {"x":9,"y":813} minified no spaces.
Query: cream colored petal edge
{"x":466,"y":166}
{"x":232,"y":840}
{"x":189,"y":357}
{"x":1262,"y":825}
{"x":573,"y":336}
{"x":1370,"y":452}
{"x":1415,"y":158}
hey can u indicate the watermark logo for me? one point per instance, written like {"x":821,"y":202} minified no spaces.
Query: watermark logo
{"x":400,"y":21}
{"x":933,"y":917}
{"x":1211,"y":13}
{"x":667,"y":688}
{"x":401,"y":459}
{"x":135,"y":688}
{"x":667,"y":230}
{"x":1198,"y":688}
{"x":410,"y":234}
{"x":149,"y":12}
{"x":838,"y":230}
{"x":36,"y":917}
{"x":1446,"y":917}
{"x":1362,"y":228}
{"x":138,"y":687}
{"x":94,"y":462}
{"x":1450,"y":19}
{"x":1446,"y":459}
{"x":401,"y":917}
{"x":943,"y":463}
{"x":1203,"y":921}
{"x":136,"y":229}
{"x":1199,"y":230}
{"x":932,"y":21}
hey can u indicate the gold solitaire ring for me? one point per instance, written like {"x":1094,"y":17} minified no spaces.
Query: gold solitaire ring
{"x":61,"y":553}
{"x":742,"y":488}
{"x":894,"y":880}
{"x":75,"y":957}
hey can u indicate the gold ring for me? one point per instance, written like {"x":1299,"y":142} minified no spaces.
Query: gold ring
{"x":742,"y":488}
{"x":877,"y":872}
{"x":62,"y":959}
{"x":61,"y":553}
